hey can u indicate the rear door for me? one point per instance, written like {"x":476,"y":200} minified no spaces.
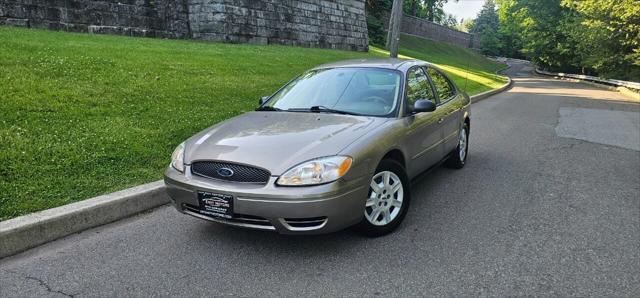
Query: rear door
{"x":450,"y":103}
{"x":424,"y":132}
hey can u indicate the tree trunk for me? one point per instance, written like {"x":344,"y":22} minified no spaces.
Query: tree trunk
{"x":388,"y":41}
{"x":430,"y":10}
{"x":393,"y":37}
{"x":414,"y":8}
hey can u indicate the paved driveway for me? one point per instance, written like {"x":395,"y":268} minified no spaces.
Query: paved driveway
{"x":545,"y":206}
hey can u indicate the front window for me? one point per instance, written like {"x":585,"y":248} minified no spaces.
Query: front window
{"x":418,"y":87}
{"x":362,"y":91}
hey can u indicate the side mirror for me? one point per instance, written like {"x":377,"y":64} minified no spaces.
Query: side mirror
{"x":423,"y":105}
{"x":263,"y":100}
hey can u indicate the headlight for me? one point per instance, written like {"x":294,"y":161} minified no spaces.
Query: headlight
{"x":177,"y":158}
{"x":317,"y":171}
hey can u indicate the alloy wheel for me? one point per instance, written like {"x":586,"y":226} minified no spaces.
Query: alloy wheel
{"x":462,"y":144}
{"x":385,"y":198}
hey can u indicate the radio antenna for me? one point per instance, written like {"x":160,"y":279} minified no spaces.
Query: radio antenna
{"x":466,"y":79}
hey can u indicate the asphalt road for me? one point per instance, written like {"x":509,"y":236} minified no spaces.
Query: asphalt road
{"x":549,"y":204}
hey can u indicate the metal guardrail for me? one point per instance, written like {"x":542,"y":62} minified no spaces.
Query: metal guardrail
{"x":617,"y":83}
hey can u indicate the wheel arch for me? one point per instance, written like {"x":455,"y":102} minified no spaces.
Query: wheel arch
{"x":467,"y":120}
{"x":397,"y":155}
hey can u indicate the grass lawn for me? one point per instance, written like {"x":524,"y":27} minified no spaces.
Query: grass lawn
{"x":460,"y":63}
{"x":83,"y":115}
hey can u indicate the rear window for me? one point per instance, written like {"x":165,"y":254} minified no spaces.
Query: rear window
{"x":443,"y":86}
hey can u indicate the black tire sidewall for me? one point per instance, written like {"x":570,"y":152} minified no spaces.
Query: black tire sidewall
{"x":454,"y":158}
{"x":372,"y":230}
{"x":466,"y":149}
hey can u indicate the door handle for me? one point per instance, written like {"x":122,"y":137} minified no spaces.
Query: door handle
{"x":440,"y":120}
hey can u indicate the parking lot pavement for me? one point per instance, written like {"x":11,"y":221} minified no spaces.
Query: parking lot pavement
{"x":536,"y":211}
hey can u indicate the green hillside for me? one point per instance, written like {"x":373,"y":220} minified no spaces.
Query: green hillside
{"x":456,"y":61}
{"x":82,"y":115}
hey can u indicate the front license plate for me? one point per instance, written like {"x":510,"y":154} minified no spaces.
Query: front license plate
{"x":215,"y":204}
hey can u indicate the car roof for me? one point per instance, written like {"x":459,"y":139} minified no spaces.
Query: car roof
{"x":388,"y":63}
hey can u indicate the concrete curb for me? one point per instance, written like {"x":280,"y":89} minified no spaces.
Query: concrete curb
{"x":483,"y":95}
{"x":28,"y":231}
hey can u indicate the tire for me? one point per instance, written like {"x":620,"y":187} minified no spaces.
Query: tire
{"x":458,"y":157}
{"x":390,"y":206}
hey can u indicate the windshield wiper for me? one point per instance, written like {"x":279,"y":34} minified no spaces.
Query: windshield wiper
{"x":268,"y":109}
{"x":323,"y":109}
{"x":330,"y":110}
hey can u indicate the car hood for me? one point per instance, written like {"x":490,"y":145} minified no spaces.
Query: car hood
{"x":276,"y":141}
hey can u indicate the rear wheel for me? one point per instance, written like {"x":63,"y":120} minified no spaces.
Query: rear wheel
{"x":458,"y":157}
{"x":388,"y":199}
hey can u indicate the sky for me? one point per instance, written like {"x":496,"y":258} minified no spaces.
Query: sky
{"x":463,"y":8}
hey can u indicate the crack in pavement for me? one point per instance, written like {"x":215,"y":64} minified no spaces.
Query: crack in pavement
{"x":42,"y":283}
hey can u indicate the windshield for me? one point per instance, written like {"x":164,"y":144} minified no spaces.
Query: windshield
{"x":364,"y":91}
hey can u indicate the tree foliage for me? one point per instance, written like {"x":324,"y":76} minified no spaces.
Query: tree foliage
{"x":376,"y":10}
{"x":449,"y":20}
{"x":486,"y":27}
{"x":511,"y":41}
{"x":427,"y":9}
{"x":465,"y":25}
{"x":599,"y":37}
{"x":607,"y":35}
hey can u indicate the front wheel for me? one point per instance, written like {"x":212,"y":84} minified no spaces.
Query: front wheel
{"x":458,"y":157}
{"x":387,"y":201}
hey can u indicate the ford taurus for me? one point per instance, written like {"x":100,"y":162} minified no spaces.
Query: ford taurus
{"x":333,"y":148}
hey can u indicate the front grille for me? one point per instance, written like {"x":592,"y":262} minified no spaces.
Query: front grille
{"x":240,"y":173}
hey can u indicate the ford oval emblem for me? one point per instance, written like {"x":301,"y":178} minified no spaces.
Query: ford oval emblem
{"x":225,"y":172}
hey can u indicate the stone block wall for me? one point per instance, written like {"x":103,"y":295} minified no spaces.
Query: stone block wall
{"x":426,"y":29}
{"x":152,"y":18}
{"x":338,"y":24}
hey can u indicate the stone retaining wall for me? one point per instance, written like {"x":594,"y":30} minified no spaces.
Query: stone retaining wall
{"x":312,"y":23}
{"x":338,"y":24}
{"x":423,"y":28}
{"x":152,"y":18}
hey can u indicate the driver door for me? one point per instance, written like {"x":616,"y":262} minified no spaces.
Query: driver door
{"x":424,"y":131}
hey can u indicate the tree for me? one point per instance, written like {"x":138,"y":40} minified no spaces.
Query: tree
{"x":607,"y":36}
{"x":540,"y":27}
{"x":490,"y":43}
{"x":375,"y":11}
{"x":598,"y":37}
{"x":510,"y":39}
{"x":465,"y":25}
{"x":449,"y":20}
{"x":428,"y":9}
{"x":393,"y":38}
{"x":487,"y":18}
{"x":486,"y":26}
{"x":434,"y":9}
{"x":411,"y":7}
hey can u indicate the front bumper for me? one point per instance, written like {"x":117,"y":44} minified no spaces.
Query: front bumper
{"x":288,"y":210}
